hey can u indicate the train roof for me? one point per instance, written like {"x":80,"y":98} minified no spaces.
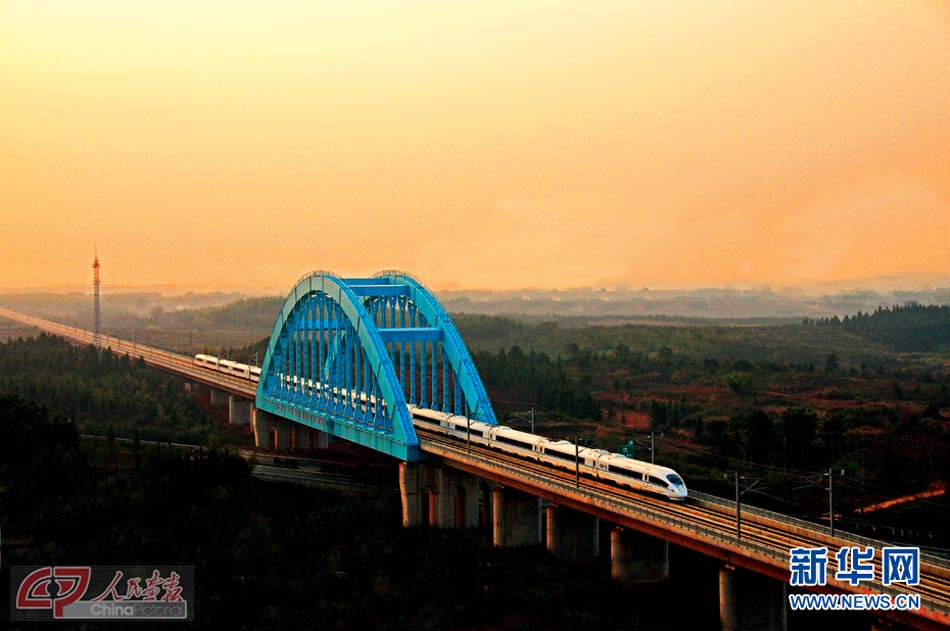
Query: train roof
{"x":639,"y":465}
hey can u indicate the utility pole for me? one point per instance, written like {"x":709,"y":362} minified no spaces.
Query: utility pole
{"x":738,"y":507}
{"x":520,"y":416}
{"x":577,"y":456}
{"x":629,"y":449}
{"x":819,"y":481}
{"x":831,"y":501}
{"x":577,"y":463}
{"x":753,"y":483}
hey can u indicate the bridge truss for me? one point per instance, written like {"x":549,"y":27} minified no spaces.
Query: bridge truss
{"x":353,"y":357}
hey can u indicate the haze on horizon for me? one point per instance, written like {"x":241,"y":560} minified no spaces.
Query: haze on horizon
{"x":227,"y":144}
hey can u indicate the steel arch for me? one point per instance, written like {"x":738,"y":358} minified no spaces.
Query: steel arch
{"x":461,"y":361}
{"x":352,"y":357}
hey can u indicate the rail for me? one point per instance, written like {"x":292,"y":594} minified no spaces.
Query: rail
{"x":846,"y":537}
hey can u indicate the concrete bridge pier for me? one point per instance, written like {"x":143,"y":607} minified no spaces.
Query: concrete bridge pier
{"x":441,"y":500}
{"x":219,"y":398}
{"x":261,"y":425}
{"x":271,"y":431}
{"x":239,"y":410}
{"x":191,"y":386}
{"x":463,"y":490}
{"x":638,"y":558}
{"x":516,"y":518}
{"x":284,"y":430}
{"x":303,"y":437}
{"x":748,"y":601}
{"x":728,"y":612}
{"x":453,"y":499}
{"x":275,"y":432}
{"x":196,"y":386}
{"x":411,"y":482}
{"x":468,"y":505}
{"x":572,"y":535}
{"x":437,"y":496}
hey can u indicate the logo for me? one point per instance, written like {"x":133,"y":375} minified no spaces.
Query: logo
{"x":101,"y":593}
{"x":37,"y":590}
{"x":808,"y":567}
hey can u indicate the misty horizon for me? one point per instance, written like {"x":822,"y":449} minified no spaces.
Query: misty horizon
{"x":883,"y":284}
{"x":712,"y":303}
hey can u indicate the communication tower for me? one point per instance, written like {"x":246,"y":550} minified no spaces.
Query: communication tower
{"x":96,"y":321}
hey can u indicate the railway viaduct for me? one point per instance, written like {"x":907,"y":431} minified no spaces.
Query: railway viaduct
{"x":349,"y":359}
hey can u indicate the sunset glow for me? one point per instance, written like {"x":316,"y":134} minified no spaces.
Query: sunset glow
{"x":241,"y":144}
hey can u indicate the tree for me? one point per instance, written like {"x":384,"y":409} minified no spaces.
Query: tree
{"x":757,"y":429}
{"x":799,"y":426}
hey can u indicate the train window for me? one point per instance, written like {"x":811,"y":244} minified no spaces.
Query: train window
{"x":657,"y":481}
{"x":560,"y":456}
{"x":624,"y":472}
{"x":511,"y":441}
{"x":675,"y":479}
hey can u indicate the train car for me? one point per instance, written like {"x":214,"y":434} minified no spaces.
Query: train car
{"x":466,"y":428}
{"x":240,"y":370}
{"x":206,"y":361}
{"x":226,"y":366}
{"x":513,"y":441}
{"x":453,"y":425}
{"x":559,"y":453}
{"x":642,"y":476}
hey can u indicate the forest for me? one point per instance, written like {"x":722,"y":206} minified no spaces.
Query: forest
{"x":782,"y":402}
{"x":910,"y":328}
{"x":269,"y":555}
{"x":102,"y":393}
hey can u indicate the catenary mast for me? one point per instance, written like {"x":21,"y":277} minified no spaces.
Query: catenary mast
{"x":96,"y":316}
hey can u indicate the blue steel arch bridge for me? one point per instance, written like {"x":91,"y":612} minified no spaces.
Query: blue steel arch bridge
{"x":349,"y":356}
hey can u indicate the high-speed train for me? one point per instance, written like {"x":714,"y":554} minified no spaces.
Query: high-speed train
{"x":601,"y":464}
{"x":596,"y":463}
{"x":228,"y":367}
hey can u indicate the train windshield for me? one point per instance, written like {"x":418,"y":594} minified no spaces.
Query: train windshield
{"x":674,"y":479}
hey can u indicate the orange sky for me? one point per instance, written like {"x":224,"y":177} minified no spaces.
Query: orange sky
{"x":242,"y":143}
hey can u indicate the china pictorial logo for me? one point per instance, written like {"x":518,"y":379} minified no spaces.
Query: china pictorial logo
{"x":809,"y":568}
{"x":101,"y":593}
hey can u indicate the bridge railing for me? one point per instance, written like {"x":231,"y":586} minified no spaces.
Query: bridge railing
{"x":662,"y":519}
{"x":777,"y":556}
{"x":850,"y":537}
